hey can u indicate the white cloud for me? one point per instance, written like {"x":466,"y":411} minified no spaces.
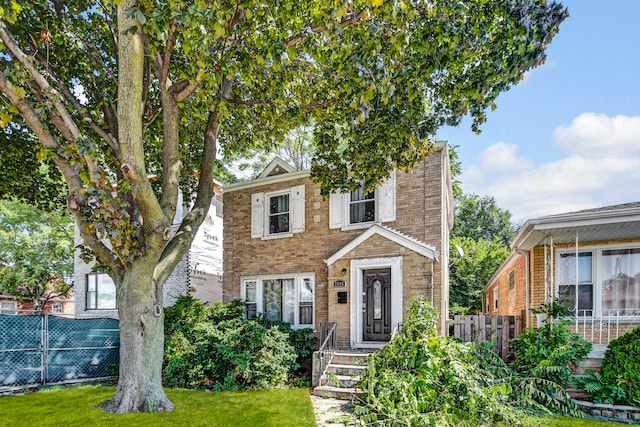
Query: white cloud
{"x":503,"y":157}
{"x":590,"y":133}
{"x":602,"y":168}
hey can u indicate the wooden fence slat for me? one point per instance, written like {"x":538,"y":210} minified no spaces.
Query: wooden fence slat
{"x":498,"y":330}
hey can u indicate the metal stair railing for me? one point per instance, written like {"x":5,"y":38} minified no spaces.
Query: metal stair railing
{"x":329,"y":344}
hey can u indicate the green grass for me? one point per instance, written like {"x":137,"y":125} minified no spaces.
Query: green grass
{"x":75,"y":406}
{"x":576,"y":422}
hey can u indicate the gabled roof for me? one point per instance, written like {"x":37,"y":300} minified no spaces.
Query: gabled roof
{"x":402,"y":239}
{"x":613,"y":222}
{"x":276,"y":167}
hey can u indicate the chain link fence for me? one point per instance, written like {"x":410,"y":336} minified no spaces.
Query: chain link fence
{"x":47,"y":349}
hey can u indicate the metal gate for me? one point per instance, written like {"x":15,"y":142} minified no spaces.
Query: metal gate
{"x":47,"y":349}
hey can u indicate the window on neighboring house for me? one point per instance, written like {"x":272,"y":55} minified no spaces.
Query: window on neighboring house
{"x":620,"y":280}
{"x":362,"y":206}
{"x":8,"y":307}
{"x":101,"y":292}
{"x":278,"y":214}
{"x":495,"y":298}
{"x":56,"y":308}
{"x":512,"y":279}
{"x":575,"y":279}
{"x":286,"y":298}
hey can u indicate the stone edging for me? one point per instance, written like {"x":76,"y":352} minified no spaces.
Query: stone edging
{"x":618,"y":412}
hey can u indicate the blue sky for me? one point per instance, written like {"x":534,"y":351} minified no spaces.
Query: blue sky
{"x":568,"y":136}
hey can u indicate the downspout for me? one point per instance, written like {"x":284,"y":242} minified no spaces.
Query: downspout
{"x":546,"y":270}
{"x":577,"y":280}
{"x":527,"y":298}
{"x":527,"y":287}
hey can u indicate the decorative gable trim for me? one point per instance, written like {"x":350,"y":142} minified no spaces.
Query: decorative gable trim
{"x":276,"y":167}
{"x":402,"y":239}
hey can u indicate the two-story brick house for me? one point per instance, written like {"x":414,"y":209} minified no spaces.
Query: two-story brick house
{"x":355,"y":259}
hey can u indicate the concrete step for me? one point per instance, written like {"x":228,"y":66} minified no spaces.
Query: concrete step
{"x":342,"y":381}
{"x":349,"y":358}
{"x":590,"y":364}
{"x":346,"y":369}
{"x":336,"y":392}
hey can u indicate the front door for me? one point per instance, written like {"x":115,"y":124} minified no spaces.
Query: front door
{"x":377,"y":305}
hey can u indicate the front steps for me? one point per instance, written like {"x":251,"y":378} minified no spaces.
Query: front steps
{"x":341,"y":377}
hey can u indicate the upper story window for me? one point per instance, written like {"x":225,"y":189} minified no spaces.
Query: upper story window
{"x":359,"y":208}
{"x":512,"y":280}
{"x":278,"y":214}
{"x":101,"y":292}
{"x":56,"y":308}
{"x":362,"y":206}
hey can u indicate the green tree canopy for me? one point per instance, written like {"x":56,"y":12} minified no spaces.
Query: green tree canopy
{"x":118,"y":92}
{"x":25,"y":177}
{"x":36,"y":252}
{"x":470,"y":272}
{"x":480,"y":217}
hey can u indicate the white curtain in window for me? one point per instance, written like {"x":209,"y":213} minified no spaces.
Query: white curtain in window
{"x":621,"y":279}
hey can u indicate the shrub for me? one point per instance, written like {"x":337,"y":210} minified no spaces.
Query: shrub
{"x":621,"y":365}
{"x":549,"y":352}
{"x":598,"y":389}
{"x":215,"y":348}
{"x":420,"y":378}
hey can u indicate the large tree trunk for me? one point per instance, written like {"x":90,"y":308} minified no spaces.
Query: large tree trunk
{"x":141,"y":343}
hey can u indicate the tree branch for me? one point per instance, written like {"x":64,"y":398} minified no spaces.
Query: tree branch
{"x":347,"y":22}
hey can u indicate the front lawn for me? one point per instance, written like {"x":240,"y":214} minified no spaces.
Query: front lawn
{"x":75,"y":406}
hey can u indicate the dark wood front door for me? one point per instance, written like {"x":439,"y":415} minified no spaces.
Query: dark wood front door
{"x":377,"y":305}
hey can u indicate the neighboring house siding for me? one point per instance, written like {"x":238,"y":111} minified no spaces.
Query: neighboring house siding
{"x":514,"y":302}
{"x":511,"y":301}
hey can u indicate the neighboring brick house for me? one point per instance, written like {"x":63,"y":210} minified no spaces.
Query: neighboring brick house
{"x":56,"y":305}
{"x":606,"y":278}
{"x":355,"y":259}
{"x":199,"y":273}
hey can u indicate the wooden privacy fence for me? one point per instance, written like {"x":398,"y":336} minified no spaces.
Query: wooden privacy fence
{"x":498,"y":330}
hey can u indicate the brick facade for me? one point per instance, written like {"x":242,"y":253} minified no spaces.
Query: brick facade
{"x":514,"y":302}
{"x":421,"y":201}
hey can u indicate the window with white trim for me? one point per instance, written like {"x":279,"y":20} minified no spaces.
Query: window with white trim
{"x":56,"y":308}
{"x":8,"y":307}
{"x":360,"y":208}
{"x":496,"y":294}
{"x":607,"y":282}
{"x":278,"y":214}
{"x":101,"y":292}
{"x":285,"y":298}
{"x":569,"y":284}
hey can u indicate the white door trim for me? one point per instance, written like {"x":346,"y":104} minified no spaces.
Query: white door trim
{"x":357,"y":290}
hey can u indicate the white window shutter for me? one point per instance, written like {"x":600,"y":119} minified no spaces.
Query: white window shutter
{"x":297,"y":208}
{"x":257,"y":215}
{"x":336,"y":210}
{"x":387,"y":199}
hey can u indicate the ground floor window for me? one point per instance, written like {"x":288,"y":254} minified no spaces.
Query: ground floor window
{"x":285,"y":298}
{"x":8,"y":307}
{"x":101,"y":292}
{"x":605,"y":281}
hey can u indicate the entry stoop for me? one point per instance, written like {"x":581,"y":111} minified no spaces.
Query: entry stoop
{"x":593,"y":361}
{"x":341,"y":377}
